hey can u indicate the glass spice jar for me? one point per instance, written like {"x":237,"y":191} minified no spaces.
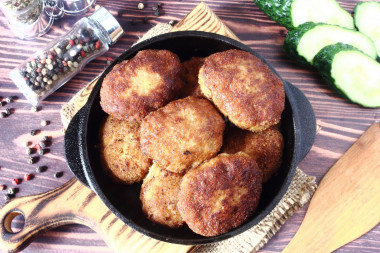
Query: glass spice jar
{"x":47,"y":70}
{"x":26,"y":18}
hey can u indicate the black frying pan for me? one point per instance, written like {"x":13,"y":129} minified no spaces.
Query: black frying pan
{"x":81,"y":141}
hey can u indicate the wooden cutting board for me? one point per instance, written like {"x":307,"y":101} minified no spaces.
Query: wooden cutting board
{"x":75,"y":203}
{"x":346,"y":204}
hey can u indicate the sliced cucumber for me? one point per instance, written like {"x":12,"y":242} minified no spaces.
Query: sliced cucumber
{"x":367,"y":20}
{"x":292,"y":13}
{"x":305,"y":41}
{"x":351,"y":72}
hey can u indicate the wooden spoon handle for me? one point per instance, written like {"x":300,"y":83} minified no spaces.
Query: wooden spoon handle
{"x":73,"y":203}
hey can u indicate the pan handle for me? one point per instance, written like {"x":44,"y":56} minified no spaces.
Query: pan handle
{"x":305,"y":123}
{"x":72,"y":147}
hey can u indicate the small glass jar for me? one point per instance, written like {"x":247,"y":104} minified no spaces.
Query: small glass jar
{"x":26,"y":18}
{"x":47,"y":70}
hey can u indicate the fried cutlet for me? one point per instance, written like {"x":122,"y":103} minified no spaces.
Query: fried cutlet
{"x":243,"y":88}
{"x":120,"y":149}
{"x":140,"y":85}
{"x":182,"y":134}
{"x":190,"y":70}
{"x":159,"y":196}
{"x":264,"y":147}
{"x":220,"y":194}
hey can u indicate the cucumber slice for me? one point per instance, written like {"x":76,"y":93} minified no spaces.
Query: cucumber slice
{"x":292,"y":13}
{"x":305,"y":41}
{"x":352,"y":73}
{"x":367,"y":20}
{"x":320,"y":11}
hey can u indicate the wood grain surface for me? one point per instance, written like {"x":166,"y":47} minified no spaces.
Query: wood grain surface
{"x":342,"y":122}
{"x":346,"y":204}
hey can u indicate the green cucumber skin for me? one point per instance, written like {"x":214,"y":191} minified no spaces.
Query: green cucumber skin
{"x":277,"y":10}
{"x":292,"y":39}
{"x":323,"y":63}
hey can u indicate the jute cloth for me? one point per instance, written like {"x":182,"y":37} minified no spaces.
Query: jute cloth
{"x":299,"y":193}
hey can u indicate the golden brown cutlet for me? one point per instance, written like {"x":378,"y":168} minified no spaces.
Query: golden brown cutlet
{"x":122,"y":157}
{"x":159,"y":196}
{"x":220,"y":194}
{"x":182,"y":134}
{"x":140,"y":85}
{"x":264,"y":147}
{"x":190,"y":70}
{"x":243,"y":88}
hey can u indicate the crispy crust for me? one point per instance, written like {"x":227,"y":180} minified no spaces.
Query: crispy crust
{"x":120,"y":149}
{"x":140,"y":85}
{"x":264,"y":147}
{"x":182,"y":134}
{"x":190,"y":77}
{"x":221,"y":194}
{"x":243,"y":88}
{"x":159,"y":197}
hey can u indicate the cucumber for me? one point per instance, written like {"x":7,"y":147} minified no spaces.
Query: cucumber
{"x":305,"y":41}
{"x":352,"y":73}
{"x":367,"y":20}
{"x":292,"y":13}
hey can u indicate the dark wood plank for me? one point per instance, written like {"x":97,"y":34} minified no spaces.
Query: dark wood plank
{"x":342,"y":122}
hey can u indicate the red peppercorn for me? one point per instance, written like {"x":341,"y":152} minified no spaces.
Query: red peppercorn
{"x":109,"y":59}
{"x":97,"y":44}
{"x":64,"y":63}
{"x":39,"y":70}
{"x":82,"y":53}
{"x":80,"y":42}
{"x":26,"y":177}
{"x":15,"y":181}
{"x":43,"y":60}
{"x":51,"y":57}
{"x":71,"y":42}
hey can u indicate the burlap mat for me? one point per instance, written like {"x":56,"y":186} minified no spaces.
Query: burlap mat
{"x":299,"y":193}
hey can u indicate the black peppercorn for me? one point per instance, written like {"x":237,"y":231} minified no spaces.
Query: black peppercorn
{"x":58,"y":174}
{"x":33,"y":132}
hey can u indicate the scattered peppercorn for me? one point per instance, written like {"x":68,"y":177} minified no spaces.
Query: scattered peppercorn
{"x":28,"y":177}
{"x":11,"y":191}
{"x":155,"y":7}
{"x":140,"y":6}
{"x":40,"y":169}
{"x":157,"y":13}
{"x":9,"y":99}
{"x":44,"y":123}
{"x":33,"y":132}
{"x":30,"y":160}
{"x":42,"y":144}
{"x":3,"y":187}
{"x":7,"y":197}
{"x":28,"y":151}
{"x":3,"y":115}
{"x":8,"y":111}
{"x":2,"y":103}
{"x":42,"y":151}
{"x":172,"y":22}
{"x":16,"y":181}
{"x":26,"y":144}
{"x":58,"y":174}
{"x":120,"y":13}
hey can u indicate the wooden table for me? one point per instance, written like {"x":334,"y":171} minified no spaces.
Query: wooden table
{"x":342,"y":122}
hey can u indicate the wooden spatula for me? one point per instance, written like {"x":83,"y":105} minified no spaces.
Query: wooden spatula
{"x":346,"y":204}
